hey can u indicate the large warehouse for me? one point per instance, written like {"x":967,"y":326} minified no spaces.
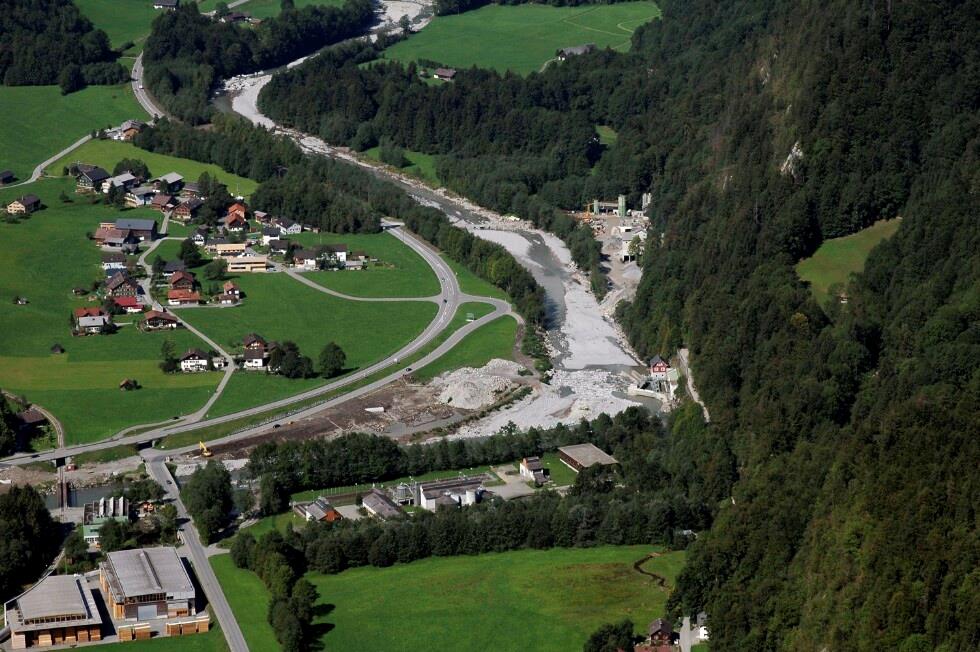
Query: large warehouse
{"x":58,"y":610}
{"x":147,"y":583}
{"x":582,"y":456}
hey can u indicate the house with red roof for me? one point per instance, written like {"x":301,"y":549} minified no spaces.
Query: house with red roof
{"x":129,"y":304}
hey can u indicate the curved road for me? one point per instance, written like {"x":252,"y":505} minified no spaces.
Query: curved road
{"x":142,"y":96}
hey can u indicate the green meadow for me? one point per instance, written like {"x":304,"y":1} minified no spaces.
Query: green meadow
{"x":267,"y":8}
{"x":472,"y":284}
{"x":401,"y":273}
{"x":521,"y":38}
{"x":834,"y":262}
{"x":419,"y":165}
{"x":106,"y":153}
{"x":211,"y":641}
{"x":122,"y":20}
{"x":546,"y":600}
{"x":46,"y":256}
{"x":493,"y":340}
{"x":39,"y":121}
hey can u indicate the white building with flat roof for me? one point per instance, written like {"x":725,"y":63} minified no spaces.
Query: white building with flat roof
{"x":147,"y":583}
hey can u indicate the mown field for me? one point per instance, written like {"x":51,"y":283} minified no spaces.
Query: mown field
{"x":546,"y":600}
{"x":39,"y":121}
{"x":521,"y":38}
{"x":493,"y":340}
{"x":122,"y":20}
{"x":834,"y":262}
{"x":107,"y":153}
{"x":472,"y":284}
{"x":403,"y":274}
{"x":44,"y":258}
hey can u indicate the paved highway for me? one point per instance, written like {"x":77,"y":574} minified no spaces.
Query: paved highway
{"x":205,"y":574}
{"x":142,"y":96}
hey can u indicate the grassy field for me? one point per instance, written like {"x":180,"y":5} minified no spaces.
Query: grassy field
{"x":561,"y":475}
{"x":546,"y":600}
{"x":404,"y":274}
{"x":44,"y":258}
{"x":493,"y":340}
{"x":521,"y":38}
{"x":607,"y":135}
{"x":836,"y":259}
{"x":107,"y":153}
{"x":420,"y":165}
{"x":212,"y":641}
{"x":40,"y":121}
{"x":122,"y":20}
{"x":470,"y":283}
{"x":248,"y":389}
{"x":249,"y":601}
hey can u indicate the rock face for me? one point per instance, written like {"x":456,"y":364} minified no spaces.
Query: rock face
{"x":792,"y":163}
{"x":472,"y":389}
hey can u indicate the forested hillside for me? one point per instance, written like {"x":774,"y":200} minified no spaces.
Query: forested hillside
{"x":51,"y":42}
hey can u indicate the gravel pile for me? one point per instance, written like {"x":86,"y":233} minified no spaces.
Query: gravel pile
{"x":472,"y":389}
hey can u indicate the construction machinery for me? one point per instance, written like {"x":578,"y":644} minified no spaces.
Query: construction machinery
{"x":205,"y":451}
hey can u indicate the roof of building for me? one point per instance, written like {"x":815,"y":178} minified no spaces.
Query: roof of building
{"x":248,"y":260}
{"x":170,"y":177}
{"x":532,"y":463}
{"x":230,"y":285}
{"x":97,"y":321}
{"x":577,"y":49}
{"x":28,"y":199}
{"x":305,"y":254}
{"x":146,"y":571}
{"x":183,"y":295}
{"x":253,"y":338}
{"x":142,"y":191}
{"x":135,"y":225}
{"x":119,"y":279}
{"x":94,"y":174}
{"x":446,"y":500}
{"x":126,"y":302}
{"x":587,"y":455}
{"x":655,"y":360}
{"x":191,"y":204}
{"x":165,"y":316}
{"x":66,"y":598}
{"x":445,"y":72}
{"x":31,"y":417}
{"x":113,"y":257}
{"x":174,"y":266}
{"x":319,"y":509}
{"x":89,"y":311}
{"x":161,"y":199}
{"x":378,"y":502}
{"x":254,"y":354}
{"x":660,"y":626}
{"x":279,"y":244}
{"x":181,"y":275}
{"x":125,"y":177}
{"x":334,"y":248}
{"x":194,"y":354}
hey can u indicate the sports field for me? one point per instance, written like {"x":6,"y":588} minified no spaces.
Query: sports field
{"x":44,"y":258}
{"x":107,"y":153}
{"x":522,"y":38}
{"x":39,"y":121}
{"x":836,"y":259}
{"x":403,"y":273}
{"x":121,"y":20}
{"x":546,"y":600}
{"x":493,"y":340}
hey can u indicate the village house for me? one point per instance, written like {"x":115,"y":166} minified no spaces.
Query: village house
{"x":254,"y":360}
{"x":90,"y":321}
{"x":183,"y":298}
{"x":582,"y":456}
{"x":254,"y":342}
{"x":660,"y":637}
{"x":156,"y":321}
{"x":658,"y":368}
{"x":121,"y":284}
{"x":110,"y":236}
{"x":268,"y":234}
{"x":235,"y":17}
{"x":141,"y":229}
{"x":141,"y":196}
{"x":237,"y":209}
{"x":377,"y":503}
{"x":279,"y":247}
{"x":191,"y":189}
{"x":226,"y":249}
{"x":261,"y":217}
{"x":230,"y":287}
{"x":337,"y":252}
{"x":226,"y":299}
{"x":162,"y":202}
{"x":200,"y":236}
{"x":171,"y":267}
{"x":172,"y":181}
{"x":306,"y":259}
{"x":113,"y":260}
{"x":6,"y":176}
{"x":193,"y":361}
{"x":319,"y":510}
{"x":125,"y":181}
{"x":182,"y":281}
{"x":444,"y":74}
{"x":128,"y":304}
{"x":286,"y":226}
{"x":532,"y":469}
{"x":187,"y":209}
{"x":90,"y":178}
{"x":234,"y":223}
{"x":128,"y":130}
{"x":247,"y":264}
{"x":24,"y":205}
{"x":575,"y":51}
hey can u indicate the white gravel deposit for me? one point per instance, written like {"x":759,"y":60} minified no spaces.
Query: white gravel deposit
{"x":472,"y":389}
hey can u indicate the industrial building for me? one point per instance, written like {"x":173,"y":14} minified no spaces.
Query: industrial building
{"x":96,"y":514}
{"x":147,"y":583}
{"x":582,"y":456}
{"x":454,"y":492}
{"x":58,"y":610}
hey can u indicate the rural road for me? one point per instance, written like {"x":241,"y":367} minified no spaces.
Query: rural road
{"x":682,"y":356}
{"x":205,"y":574}
{"x":142,"y":96}
{"x":39,"y":170}
{"x":448,"y":301}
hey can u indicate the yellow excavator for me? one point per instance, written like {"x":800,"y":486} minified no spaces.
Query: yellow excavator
{"x":205,"y":451}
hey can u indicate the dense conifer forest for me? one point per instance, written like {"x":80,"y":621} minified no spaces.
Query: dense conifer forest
{"x":51,"y":42}
{"x":763,"y":128}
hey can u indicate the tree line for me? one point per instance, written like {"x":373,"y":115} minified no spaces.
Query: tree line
{"x":50,"y":42}
{"x":288,"y":179}
{"x":182,"y":71}
{"x":28,"y":539}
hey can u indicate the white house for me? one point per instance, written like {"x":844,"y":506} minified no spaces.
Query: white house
{"x":286,"y":226}
{"x":255,"y":360}
{"x":125,"y":180}
{"x":306,"y":259}
{"x":532,"y":469}
{"x":337,"y":252}
{"x":193,"y":361}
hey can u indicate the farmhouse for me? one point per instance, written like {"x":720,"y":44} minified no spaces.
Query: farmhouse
{"x":187,"y":209}
{"x":121,"y":284}
{"x":247,"y":264}
{"x":141,"y":229}
{"x":286,"y":226}
{"x":261,"y":217}
{"x":182,"y":281}
{"x":172,"y":181}
{"x":168,"y":5}
{"x":58,"y":610}
{"x":6,"y":176}
{"x":318,"y":510}
{"x":183,"y":298}
{"x":193,"y":361}
{"x":226,"y":249}
{"x":126,"y":180}
{"x":141,"y":196}
{"x":307,"y":259}
{"x":226,"y":299}
{"x":171,"y":267}
{"x":162,"y":202}
{"x":128,"y":130}
{"x":128,"y":304}
{"x":113,"y":260}
{"x":108,"y":235}
{"x":337,"y":252}
{"x":90,"y":321}
{"x":377,"y":503}
{"x":200,"y":236}
{"x":574,"y":51}
{"x":255,"y":360}
{"x":235,"y":223}
{"x":582,"y":456}
{"x":147,"y":583}
{"x":156,"y":320}
{"x":444,"y":74}
{"x":230,"y":287}
{"x":532,"y":469}
{"x":90,"y":178}
{"x":278,"y":246}
{"x":24,"y":205}
{"x":190,"y":189}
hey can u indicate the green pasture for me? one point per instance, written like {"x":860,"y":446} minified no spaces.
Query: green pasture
{"x":492,"y":340}
{"x":122,"y":20}
{"x":107,"y":153}
{"x":39,"y":121}
{"x":419,"y":165}
{"x":249,"y":601}
{"x":561,"y":475}
{"x":267,"y":8}
{"x":472,"y":284}
{"x":401,"y":272}
{"x":250,"y":388}
{"x":834,"y":262}
{"x":521,"y":38}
